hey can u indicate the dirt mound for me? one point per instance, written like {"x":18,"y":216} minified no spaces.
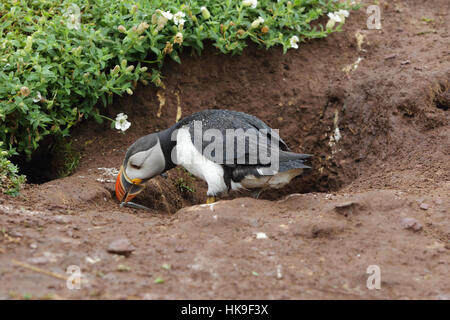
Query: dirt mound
{"x":370,"y":105}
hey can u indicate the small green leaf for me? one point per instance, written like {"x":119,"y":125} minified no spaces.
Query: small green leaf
{"x":159,"y":280}
{"x":27,"y":296}
{"x":166,"y":266}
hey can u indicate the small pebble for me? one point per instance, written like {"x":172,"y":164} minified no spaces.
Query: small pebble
{"x":261,"y":235}
{"x":92,"y":260}
{"x":60,"y":219}
{"x":411,"y":223}
{"x":424,"y":206}
{"x":179,"y":249}
{"x":16,"y":234}
{"x":121,"y":246}
{"x":279,"y":274}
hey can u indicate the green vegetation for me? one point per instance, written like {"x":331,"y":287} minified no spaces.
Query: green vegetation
{"x":58,"y":59}
{"x":186,"y":183}
{"x":159,"y":280}
{"x":10,"y":180}
{"x":65,"y":158}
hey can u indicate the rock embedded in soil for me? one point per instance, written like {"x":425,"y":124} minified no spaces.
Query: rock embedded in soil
{"x":412,"y":224}
{"x":424,"y":206}
{"x":179,"y":250}
{"x":389,"y":57}
{"x":121,"y":246}
{"x":60,"y":219}
{"x":348,"y":208}
{"x":16,"y":234}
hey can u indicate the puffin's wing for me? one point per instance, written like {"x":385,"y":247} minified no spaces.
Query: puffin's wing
{"x":233,"y":138}
{"x":259,"y":124}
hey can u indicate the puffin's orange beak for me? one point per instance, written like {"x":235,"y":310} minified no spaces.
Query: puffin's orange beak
{"x":127,"y":189}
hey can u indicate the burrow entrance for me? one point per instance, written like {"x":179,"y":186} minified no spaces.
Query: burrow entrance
{"x":55,"y":158}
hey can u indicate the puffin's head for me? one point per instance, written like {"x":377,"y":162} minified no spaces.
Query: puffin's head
{"x":144,"y":160}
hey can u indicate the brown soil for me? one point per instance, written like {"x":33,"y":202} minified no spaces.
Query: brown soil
{"x":324,"y":229}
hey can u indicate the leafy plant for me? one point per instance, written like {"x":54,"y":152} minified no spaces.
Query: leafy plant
{"x":184,"y":185}
{"x":58,"y":59}
{"x":10,"y":181}
{"x":186,"y":182}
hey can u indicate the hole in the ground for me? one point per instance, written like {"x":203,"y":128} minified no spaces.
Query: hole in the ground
{"x":442,"y":99}
{"x":442,"y":103}
{"x":37,"y":170}
{"x":53,"y":160}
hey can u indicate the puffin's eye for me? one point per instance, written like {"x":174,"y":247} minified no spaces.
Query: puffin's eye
{"x":135,"y":166}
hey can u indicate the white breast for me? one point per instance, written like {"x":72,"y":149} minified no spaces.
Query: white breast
{"x":194,"y":162}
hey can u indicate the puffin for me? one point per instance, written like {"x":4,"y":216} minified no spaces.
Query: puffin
{"x":230,"y":150}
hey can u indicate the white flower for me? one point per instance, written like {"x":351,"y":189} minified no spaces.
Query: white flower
{"x":294,"y":40}
{"x":167,"y":15}
{"x":122,"y":123}
{"x":257,"y":22}
{"x":250,"y":3}
{"x":73,"y":17}
{"x":38,"y":97}
{"x":74,"y":22}
{"x":344,"y":13}
{"x":334,"y":17}
{"x":178,"y":18}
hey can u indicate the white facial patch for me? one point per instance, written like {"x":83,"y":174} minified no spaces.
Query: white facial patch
{"x":137,"y":160}
{"x":146,"y":164}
